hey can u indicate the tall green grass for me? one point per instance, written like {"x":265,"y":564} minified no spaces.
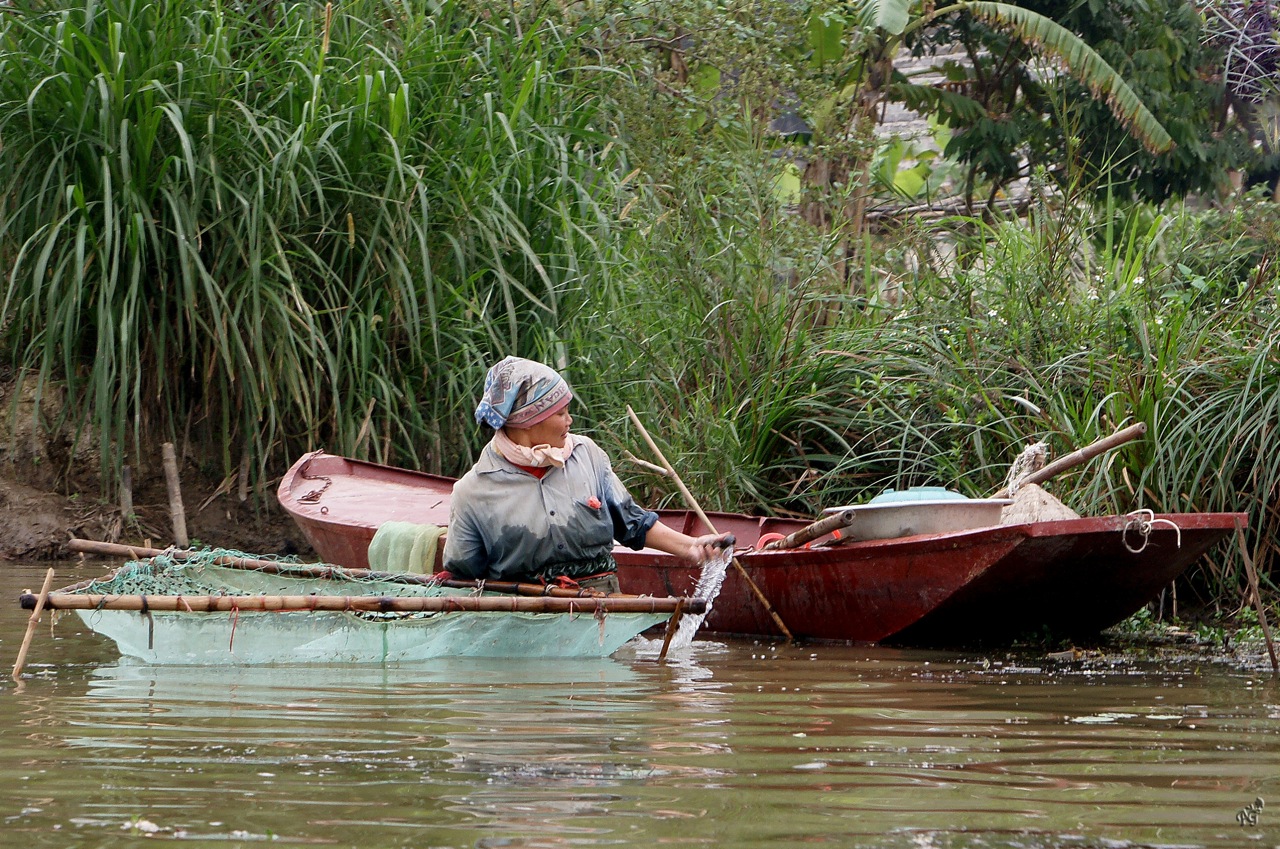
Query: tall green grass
{"x":261,"y":229}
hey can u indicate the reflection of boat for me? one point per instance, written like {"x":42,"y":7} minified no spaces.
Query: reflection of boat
{"x":1074,"y":576}
{"x":128,"y":678}
{"x":171,"y":611}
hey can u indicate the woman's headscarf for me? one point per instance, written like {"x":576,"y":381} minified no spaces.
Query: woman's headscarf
{"x":520,"y":393}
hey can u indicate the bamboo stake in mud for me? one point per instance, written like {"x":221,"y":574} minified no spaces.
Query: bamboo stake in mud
{"x":31,"y":626}
{"x":176,"y":511}
{"x":1252,"y":574}
{"x":673,"y":625}
{"x":693,"y":505}
{"x":126,"y":493}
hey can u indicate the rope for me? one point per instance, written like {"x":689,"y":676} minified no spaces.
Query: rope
{"x":1143,"y":521}
{"x":235,"y":620}
{"x":1031,"y":460}
{"x":314,"y":495}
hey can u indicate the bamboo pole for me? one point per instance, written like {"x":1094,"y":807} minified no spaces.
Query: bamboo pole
{"x":324,"y":570}
{"x":673,"y":625}
{"x":1082,"y":455}
{"x":37,"y":608}
{"x":693,"y":504}
{"x":1251,"y":573}
{"x":126,"y":493}
{"x":176,"y":511}
{"x":809,"y":533}
{"x":379,"y":604}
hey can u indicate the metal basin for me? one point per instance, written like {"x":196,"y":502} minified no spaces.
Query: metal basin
{"x":892,"y":519}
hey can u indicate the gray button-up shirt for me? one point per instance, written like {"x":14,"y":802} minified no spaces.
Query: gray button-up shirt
{"x":506,"y":524}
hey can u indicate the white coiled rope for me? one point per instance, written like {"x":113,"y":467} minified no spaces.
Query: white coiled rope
{"x":1143,"y":521}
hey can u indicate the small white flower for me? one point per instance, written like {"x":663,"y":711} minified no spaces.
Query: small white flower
{"x":1159,"y":322}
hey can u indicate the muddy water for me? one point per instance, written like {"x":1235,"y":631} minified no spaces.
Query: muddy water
{"x":739,"y":744}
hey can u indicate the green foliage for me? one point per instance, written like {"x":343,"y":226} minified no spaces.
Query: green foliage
{"x":269,"y":230}
{"x":1058,"y":121}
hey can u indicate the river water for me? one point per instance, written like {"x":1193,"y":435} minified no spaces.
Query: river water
{"x":737,"y":744}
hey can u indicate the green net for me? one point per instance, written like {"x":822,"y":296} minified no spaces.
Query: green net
{"x":225,"y":572}
{"x":320,"y":636}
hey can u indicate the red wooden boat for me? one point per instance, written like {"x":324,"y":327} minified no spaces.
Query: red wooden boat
{"x":1076,"y":576}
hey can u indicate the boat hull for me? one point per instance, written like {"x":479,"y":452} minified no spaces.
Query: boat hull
{"x":1073,"y":577}
{"x":862,"y":592}
{"x":339,"y":504}
{"x":1076,"y":576}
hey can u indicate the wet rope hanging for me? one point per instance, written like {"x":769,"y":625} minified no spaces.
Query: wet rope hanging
{"x":1031,"y":460}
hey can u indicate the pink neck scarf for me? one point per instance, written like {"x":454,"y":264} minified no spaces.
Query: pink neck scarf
{"x":538,"y":456}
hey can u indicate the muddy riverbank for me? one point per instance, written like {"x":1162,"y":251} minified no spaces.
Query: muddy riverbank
{"x":51,"y":490}
{"x":38,"y":519}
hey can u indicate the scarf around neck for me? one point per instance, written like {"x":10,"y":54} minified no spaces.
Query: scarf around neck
{"x":538,"y":456}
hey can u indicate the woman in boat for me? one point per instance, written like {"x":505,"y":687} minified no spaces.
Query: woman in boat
{"x":543,"y":504}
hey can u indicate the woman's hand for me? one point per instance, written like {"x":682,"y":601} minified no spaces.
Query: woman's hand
{"x":709,"y":547}
{"x":694,"y":549}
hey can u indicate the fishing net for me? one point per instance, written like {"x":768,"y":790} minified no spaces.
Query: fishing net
{"x":225,"y":572}
{"x":325,"y":636}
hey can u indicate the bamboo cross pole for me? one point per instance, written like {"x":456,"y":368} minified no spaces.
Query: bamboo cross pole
{"x":809,"y":533}
{"x":1082,"y":455}
{"x":37,"y":609}
{"x":374,"y":604}
{"x":324,"y":570}
{"x":693,"y":504}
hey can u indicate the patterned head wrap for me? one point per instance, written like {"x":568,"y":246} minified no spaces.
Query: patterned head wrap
{"x":520,"y":393}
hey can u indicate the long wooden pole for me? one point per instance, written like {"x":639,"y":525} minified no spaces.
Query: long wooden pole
{"x":693,"y":504}
{"x":38,"y":608}
{"x":1082,"y":455}
{"x":380,"y":604}
{"x":324,"y":570}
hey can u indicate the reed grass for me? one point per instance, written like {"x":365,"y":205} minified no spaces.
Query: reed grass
{"x":305,"y":224}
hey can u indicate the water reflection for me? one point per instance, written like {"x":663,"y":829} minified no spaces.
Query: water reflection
{"x":734,"y":744}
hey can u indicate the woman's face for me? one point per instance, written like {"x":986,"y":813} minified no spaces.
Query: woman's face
{"x":550,"y":431}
